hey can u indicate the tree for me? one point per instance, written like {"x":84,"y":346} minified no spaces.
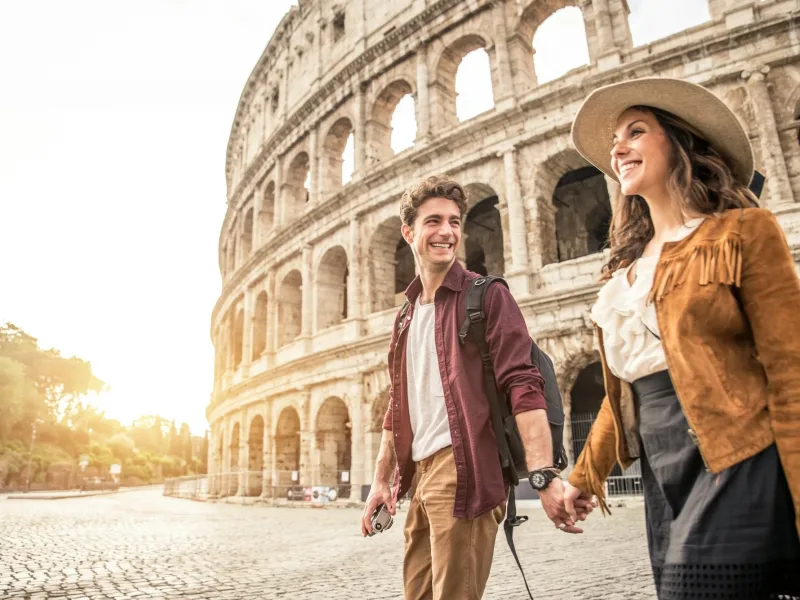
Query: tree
{"x":186,"y":443}
{"x":13,"y":388}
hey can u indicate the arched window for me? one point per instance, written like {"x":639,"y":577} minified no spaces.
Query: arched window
{"x":560,"y":44}
{"x":473,"y":85}
{"x":268,"y":207}
{"x":391,"y":266}
{"x":297,"y":184}
{"x":334,"y":443}
{"x":650,"y":21}
{"x":247,"y":234}
{"x":583,"y":213}
{"x":260,"y":326}
{"x":238,"y":338}
{"x":255,"y":462}
{"x":290,"y":308}
{"x":333,"y":160}
{"x":393,"y":126}
{"x":483,"y":233}
{"x":331,"y":287}
{"x":287,"y":451}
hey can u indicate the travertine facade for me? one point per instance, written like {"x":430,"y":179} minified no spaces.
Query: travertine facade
{"x":312,"y":275}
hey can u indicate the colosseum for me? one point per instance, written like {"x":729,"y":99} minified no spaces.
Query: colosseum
{"x":312,"y":260}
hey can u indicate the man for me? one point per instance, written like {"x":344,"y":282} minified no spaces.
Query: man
{"x":438,"y":426}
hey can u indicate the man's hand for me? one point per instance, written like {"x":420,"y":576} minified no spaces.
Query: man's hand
{"x":379,"y":493}
{"x":553,"y":503}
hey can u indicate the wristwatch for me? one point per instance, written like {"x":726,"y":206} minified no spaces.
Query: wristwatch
{"x":541,"y":478}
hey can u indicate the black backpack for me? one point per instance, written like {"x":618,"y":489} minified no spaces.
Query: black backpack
{"x":509,"y":441}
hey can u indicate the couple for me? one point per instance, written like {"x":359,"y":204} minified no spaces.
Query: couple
{"x":700,"y":347}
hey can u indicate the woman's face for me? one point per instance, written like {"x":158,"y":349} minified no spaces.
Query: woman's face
{"x":640,"y":155}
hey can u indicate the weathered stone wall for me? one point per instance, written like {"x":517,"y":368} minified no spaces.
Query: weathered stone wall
{"x":310,"y":276}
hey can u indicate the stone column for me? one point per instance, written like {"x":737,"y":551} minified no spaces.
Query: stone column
{"x":777,"y":185}
{"x":244,"y":455}
{"x":423,"y":99}
{"x":608,"y":54}
{"x":354,"y":278}
{"x":307,"y":287}
{"x":258,"y":206}
{"x":360,"y":133}
{"x":315,"y":193}
{"x":605,"y":31}
{"x":504,"y":96}
{"x":268,"y":456}
{"x":248,"y":333}
{"x":517,"y":228}
{"x":280,"y":209}
{"x":272,"y":318}
{"x":357,"y":438}
{"x":306,"y":442}
{"x":225,"y":471}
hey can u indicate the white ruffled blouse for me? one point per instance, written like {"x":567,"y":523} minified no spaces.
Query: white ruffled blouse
{"x":631,"y":338}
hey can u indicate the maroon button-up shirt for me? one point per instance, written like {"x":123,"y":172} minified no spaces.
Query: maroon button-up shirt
{"x":480,"y":486}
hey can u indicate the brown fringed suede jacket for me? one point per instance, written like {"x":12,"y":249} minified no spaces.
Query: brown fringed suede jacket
{"x":727,"y":299}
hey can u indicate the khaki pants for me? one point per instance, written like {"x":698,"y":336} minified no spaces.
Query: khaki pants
{"x":445,"y":558}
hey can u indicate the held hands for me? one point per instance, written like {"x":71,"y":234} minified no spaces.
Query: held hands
{"x":380,"y":493}
{"x":565,"y":505}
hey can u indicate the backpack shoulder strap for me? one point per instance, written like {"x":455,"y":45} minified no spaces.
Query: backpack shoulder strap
{"x":474,"y":313}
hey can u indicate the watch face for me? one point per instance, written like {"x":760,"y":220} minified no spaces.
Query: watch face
{"x":538,"y":481}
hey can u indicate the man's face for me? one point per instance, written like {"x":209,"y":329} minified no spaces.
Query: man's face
{"x":436,"y":233}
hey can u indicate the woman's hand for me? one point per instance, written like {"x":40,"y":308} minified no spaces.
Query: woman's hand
{"x":578,"y":504}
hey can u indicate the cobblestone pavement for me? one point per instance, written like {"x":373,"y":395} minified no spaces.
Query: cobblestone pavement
{"x":142,"y":545}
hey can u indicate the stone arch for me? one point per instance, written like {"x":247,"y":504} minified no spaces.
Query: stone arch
{"x":445,"y":75}
{"x":260,"y":326}
{"x":586,"y":396}
{"x":334,"y":442}
{"x":379,"y":128}
{"x":238,"y":338}
{"x":290,"y":307}
{"x":296,"y":193}
{"x":247,"y":234}
{"x":483,"y":232}
{"x":331,"y":288}
{"x":287,"y":449}
{"x":267,"y":216}
{"x":557,"y":47}
{"x":255,"y":458}
{"x":333,"y":155}
{"x":391,"y":265}
{"x":574,"y":207}
{"x":233,"y":458}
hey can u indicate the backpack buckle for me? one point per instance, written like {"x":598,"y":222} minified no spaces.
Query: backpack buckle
{"x":476,"y":316}
{"x":480,"y":281}
{"x":517,"y":521}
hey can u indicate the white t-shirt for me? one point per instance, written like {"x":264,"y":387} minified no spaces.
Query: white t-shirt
{"x":426,"y":405}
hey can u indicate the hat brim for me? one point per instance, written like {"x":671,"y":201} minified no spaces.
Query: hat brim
{"x":595,"y":122}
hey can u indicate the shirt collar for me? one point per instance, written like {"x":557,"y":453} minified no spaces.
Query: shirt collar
{"x":454,"y":280}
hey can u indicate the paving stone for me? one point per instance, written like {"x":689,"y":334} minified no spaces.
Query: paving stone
{"x":143,"y":545}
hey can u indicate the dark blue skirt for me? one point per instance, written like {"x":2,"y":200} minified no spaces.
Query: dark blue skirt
{"x":729,"y":536}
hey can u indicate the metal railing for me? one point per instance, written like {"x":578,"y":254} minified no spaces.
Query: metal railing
{"x":286,"y":486}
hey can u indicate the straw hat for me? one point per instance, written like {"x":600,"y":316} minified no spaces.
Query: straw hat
{"x":596,"y":120}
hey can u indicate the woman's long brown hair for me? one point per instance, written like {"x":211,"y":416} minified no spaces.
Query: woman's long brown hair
{"x":701,"y":181}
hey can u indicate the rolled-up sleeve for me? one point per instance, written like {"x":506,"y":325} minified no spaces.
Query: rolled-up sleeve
{"x":510,"y":348}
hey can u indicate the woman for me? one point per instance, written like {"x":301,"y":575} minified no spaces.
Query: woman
{"x":700,"y":345}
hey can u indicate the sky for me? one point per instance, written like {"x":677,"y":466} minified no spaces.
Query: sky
{"x":114,"y":121}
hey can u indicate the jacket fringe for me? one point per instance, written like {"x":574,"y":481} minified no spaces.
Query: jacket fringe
{"x":595,"y":483}
{"x":720,"y":262}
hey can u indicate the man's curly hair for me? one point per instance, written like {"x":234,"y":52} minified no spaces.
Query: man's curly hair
{"x":436,"y":186}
